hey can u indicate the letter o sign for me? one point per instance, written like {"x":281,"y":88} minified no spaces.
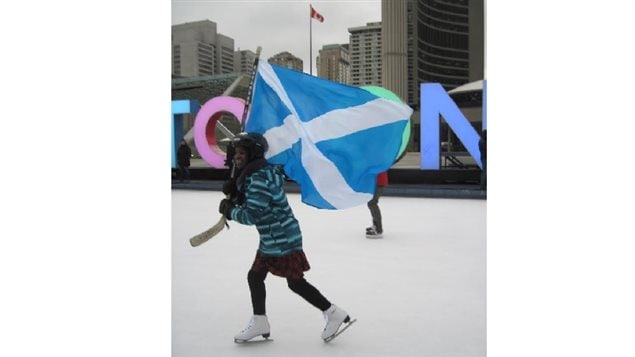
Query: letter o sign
{"x":205,"y":127}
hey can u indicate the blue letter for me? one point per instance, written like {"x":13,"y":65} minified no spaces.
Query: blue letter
{"x":180,"y":107}
{"x":435,"y":101}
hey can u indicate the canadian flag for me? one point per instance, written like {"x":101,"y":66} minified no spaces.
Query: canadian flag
{"x":316,"y":15}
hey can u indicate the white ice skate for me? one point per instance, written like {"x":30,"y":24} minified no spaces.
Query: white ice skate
{"x":335,"y":317}
{"x":258,"y":325}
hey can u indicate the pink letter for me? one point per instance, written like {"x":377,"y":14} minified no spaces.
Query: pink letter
{"x":205,"y":125}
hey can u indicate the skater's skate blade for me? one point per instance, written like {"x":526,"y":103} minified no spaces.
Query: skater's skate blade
{"x":347,"y":325}
{"x":267,"y":339}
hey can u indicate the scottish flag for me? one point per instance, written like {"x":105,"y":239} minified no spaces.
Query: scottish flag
{"x":332,"y":139}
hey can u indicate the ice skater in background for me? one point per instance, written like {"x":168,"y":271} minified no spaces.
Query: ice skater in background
{"x":376,"y":230}
{"x":183,"y":155}
{"x":482,"y":146}
{"x":262,"y":201}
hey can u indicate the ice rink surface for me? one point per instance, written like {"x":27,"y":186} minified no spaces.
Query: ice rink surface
{"x":419,"y":291}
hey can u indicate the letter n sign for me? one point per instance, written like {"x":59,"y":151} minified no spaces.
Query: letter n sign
{"x":435,"y":101}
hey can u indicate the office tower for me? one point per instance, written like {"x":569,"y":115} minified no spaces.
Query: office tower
{"x":365,"y":54}
{"x":244,"y":61}
{"x":444,"y":42}
{"x":476,"y":40}
{"x":199,"y":50}
{"x":399,"y":51}
{"x":333,"y":63}
{"x":286,"y":59}
{"x":450,"y":41}
{"x":394,"y":53}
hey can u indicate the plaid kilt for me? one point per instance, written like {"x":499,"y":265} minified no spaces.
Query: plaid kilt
{"x":292,"y":265}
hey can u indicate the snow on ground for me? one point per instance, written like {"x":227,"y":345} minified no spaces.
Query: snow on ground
{"x":419,"y":291}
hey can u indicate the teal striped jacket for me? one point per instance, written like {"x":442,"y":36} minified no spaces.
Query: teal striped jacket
{"x":266,"y":206}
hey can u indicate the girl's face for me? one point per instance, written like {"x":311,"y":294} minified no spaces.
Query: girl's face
{"x":241,"y":157}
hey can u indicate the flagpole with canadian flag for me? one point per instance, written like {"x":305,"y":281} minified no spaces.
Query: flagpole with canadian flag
{"x":313,"y":15}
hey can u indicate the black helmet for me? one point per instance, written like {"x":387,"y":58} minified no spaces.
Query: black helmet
{"x":255,"y":143}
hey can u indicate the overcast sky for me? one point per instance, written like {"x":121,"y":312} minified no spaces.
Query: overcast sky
{"x":280,"y":25}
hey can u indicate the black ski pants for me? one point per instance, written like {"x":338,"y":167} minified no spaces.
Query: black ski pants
{"x":256,"y":280}
{"x":375,"y":212}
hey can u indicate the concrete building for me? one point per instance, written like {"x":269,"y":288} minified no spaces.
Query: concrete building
{"x":244,"y":61}
{"x":333,"y":63}
{"x":450,"y":42}
{"x":444,"y":43}
{"x":286,"y":59}
{"x":394,"y":48}
{"x":365,"y":54}
{"x":199,"y":50}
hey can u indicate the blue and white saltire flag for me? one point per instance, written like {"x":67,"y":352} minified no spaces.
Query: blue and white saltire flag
{"x":332,"y":139}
